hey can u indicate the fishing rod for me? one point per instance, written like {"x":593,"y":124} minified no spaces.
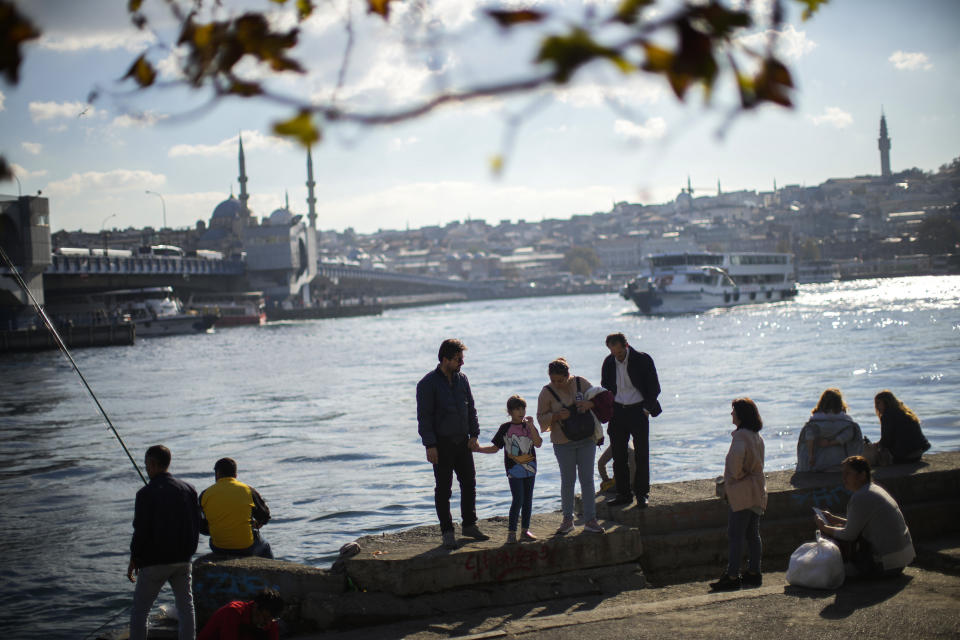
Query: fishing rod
{"x":66,"y":352}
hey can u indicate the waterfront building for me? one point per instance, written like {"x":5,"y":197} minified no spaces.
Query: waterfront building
{"x":25,"y":238}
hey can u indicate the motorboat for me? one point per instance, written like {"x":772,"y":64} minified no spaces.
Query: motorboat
{"x":155,"y":311}
{"x":233,"y":309}
{"x":697,"y":282}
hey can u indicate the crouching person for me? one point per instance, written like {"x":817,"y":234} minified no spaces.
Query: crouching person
{"x":239,"y":620}
{"x":874,"y":537}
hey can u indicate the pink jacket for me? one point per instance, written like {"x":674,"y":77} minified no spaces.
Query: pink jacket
{"x":743,"y":474}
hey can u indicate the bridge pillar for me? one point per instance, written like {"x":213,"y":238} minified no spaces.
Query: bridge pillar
{"x":25,"y":237}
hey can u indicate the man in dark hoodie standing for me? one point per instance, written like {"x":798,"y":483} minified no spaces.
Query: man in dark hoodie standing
{"x":449,"y":429}
{"x":166,"y":528}
{"x":631,"y":377}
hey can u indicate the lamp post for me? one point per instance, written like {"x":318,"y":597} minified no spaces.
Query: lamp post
{"x":164,"y":204}
{"x":102,"y":225}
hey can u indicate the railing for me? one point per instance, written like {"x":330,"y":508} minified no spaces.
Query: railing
{"x":142,"y":265}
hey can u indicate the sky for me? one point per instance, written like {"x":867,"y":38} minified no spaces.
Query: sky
{"x":605,"y":138}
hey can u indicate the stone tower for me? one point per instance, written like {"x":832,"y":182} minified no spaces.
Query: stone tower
{"x":884,"y":143}
{"x":244,"y":196}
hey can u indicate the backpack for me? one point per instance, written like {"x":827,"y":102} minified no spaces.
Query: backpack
{"x":579,"y":425}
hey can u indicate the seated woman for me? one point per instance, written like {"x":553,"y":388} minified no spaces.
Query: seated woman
{"x":900,"y":432}
{"x":830,"y":435}
{"x":874,"y":537}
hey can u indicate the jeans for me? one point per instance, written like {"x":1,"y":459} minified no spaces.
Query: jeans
{"x":260,"y":548}
{"x":627,"y":422}
{"x":455,"y":457}
{"x":740,"y":524}
{"x":149,"y":581}
{"x":576,"y":458}
{"x":522,"y":490}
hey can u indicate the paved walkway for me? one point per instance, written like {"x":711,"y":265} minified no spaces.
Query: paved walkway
{"x":922,"y":603}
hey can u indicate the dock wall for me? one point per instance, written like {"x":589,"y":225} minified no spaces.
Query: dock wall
{"x":20,"y":340}
{"x":680,"y":537}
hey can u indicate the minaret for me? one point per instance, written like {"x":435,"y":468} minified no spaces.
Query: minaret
{"x":244,"y":196}
{"x":311,"y":199}
{"x":884,"y":144}
{"x":719,"y":192}
{"x":286,"y":199}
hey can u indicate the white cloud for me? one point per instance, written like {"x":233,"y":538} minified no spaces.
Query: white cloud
{"x":107,"y":181}
{"x":131,"y":40}
{"x":791,"y":44}
{"x":40,"y":111}
{"x":139,"y":120}
{"x":911,"y":61}
{"x":833,"y":116}
{"x":21,"y":172}
{"x":252,"y":140}
{"x":626,"y":93}
{"x":653,"y":129}
{"x":33,"y":148}
{"x":400,"y":143}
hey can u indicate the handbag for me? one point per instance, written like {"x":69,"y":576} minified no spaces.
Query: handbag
{"x":578,"y":426}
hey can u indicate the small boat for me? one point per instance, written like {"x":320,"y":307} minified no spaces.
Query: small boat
{"x":156,"y":311}
{"x":233,"y":309}
{"x":696,"y":282}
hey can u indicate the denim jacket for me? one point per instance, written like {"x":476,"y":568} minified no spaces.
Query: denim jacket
{"x":445,"y":410}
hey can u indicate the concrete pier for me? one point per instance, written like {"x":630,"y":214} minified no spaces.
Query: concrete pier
{"x":681,"y":537}
{"x":86,"y":336}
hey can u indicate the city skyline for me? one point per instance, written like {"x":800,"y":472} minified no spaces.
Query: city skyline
{"x":585,"y":148}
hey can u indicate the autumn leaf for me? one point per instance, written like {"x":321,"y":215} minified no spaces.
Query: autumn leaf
{"x":772,"y":83}
{"x":15,"y":30}
{"x":507,"y":19}
{"x":304,"y":9}
{"x":496,"y":164}
{"x":245,"y":89}
{"x":6,"y":171}
{"x":134,"y":5}
{"x":379,"y":7}
{"x":142,"y":72}
{"x":569,"y":53}
{"x":300,"y":127}
{"x":629,"y":10}
{"x":811,"y":7}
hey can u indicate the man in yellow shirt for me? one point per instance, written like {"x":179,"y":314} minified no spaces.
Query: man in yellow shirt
{"x":233,"y":514}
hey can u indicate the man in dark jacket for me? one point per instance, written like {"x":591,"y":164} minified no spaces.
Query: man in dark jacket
{"x":166,"y":528}
{"x":631,"y":377}
{"x":449,"y":429}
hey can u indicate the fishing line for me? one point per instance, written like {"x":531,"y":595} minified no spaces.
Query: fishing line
{"x":63,"y":348}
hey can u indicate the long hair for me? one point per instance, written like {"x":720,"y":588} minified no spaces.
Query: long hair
{"x":831,"y":401}
{"x":893,"y":404}
{"x":747,"y":414}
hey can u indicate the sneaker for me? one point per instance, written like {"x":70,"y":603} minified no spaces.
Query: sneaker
{"x":593,"y":527}
{"x":526,"y":536}
{"x":620,"y":500}
{"x":449,"y":540}
{"x":726,"y":583}
{"x":566,"y":526}
{"x":473,"y":531}
{"x":511,"y":537}
{"x":750,"y":579}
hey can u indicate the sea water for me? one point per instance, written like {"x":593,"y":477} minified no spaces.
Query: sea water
{"x":321,"y":416}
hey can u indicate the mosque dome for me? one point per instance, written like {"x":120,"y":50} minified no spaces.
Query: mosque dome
{"x":281,"y":217}
{"x":228,"y":209}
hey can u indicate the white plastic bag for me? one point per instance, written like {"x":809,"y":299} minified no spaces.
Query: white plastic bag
{"x":817,"y":565}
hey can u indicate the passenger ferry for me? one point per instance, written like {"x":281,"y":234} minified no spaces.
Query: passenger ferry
{"x":695,"y":282}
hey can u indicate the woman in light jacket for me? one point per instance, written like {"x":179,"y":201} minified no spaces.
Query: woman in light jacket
{"x":830,"y":435}
{"x":575,"y":458}
{"x":746,"y":491}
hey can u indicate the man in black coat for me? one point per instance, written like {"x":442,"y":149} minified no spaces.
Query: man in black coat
{"x":631,"y":377}
{"x":166,"y":528}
